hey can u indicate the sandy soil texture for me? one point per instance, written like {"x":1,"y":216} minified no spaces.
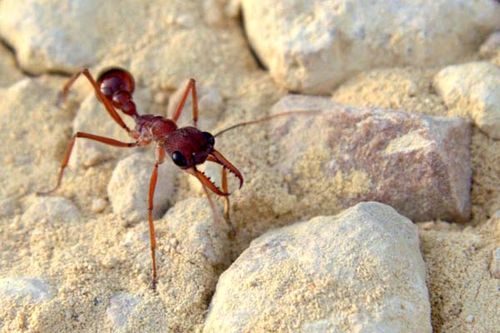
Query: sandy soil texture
{"x":418,"y":111}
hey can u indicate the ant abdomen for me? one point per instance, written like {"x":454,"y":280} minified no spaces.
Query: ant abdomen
{"x":118,"y":85}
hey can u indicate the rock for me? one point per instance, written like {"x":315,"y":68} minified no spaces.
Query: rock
{"x":25,"y":289}
{"x":359,"y":271}
{"x":495,"y":263}
{"x":419,"y":165}
{"x":192,"y":223}
{"x":311,"y":46}
{"x":52,"y":210}
{"x":121,"y":306}
{"x":491,"y":47}
{"x":32,"y":126}
{"x":178,"y":45}
{"x":9,"y":73}
{"x":98,"y":205}
{"x":128,"y":187}
{"x":473,"y":90}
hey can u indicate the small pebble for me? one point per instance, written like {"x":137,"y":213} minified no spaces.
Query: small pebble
{"x":98,"y":205}
{"x":469,"y":319}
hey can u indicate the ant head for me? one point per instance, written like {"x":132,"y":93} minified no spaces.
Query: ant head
{"x":189,"y":147}
{"x":118,"y":85}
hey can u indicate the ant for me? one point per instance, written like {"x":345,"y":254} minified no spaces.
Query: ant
{"x":187,"y":146}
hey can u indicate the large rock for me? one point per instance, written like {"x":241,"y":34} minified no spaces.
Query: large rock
{"x":473,"y":90}
{"x":32,"y":129}
{"x":161,"y":43}
{"x":311,"y":46}
{"x":128,"y":187}
{"x":359,"y":271}
{"x":419,"y":165}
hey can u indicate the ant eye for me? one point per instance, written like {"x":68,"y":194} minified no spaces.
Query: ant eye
{"x":179,"y":159}
{"x":209,"y":137}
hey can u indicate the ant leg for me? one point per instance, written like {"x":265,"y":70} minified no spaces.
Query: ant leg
{"x":191,"y":86}
{"x":160,"y":157}
{"x":69,"y":149}
{"x":107,"y":104}
{"x":227,"y":206}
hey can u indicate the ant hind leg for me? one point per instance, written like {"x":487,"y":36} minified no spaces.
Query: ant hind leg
{"x":190,"y":87}
{"x":69,"y":149}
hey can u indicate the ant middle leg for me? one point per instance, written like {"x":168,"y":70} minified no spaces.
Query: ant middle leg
{"x":69,"y":149}
{"x":190,"y":87}
{"x":103,"y":99}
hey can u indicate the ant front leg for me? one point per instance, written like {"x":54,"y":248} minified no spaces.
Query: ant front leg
{"x":69,"y":149}
{"x":103,"y":99}
{"x":160,"y":157}
{"x":191,"y":86}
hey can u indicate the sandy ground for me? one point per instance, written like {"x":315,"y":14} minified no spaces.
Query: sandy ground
{"x":87,"y":254}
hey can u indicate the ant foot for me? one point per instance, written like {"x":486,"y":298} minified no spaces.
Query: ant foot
{"x":61,"y":99}
{"x":153,"y":285}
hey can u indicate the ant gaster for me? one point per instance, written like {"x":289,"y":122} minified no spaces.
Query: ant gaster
{"x":186,"y":146}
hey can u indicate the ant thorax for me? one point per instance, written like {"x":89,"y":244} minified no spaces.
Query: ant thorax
{"x":153,"y":128}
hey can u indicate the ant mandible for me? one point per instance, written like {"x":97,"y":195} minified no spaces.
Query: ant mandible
{"x":187,"y":146}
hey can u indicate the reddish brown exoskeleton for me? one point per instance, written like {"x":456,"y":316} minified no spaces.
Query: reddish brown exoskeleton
{"x":186,"y":146}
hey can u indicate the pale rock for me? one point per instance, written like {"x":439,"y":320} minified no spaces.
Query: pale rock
{"x":192,"y":222}
{"x":128,"y":187}
{"x":52,"y":210}
{"x":333,"y":159}
{"x":22,"y":289}
{"x":491,"y":47}
{"x":359,"y":271}
{"x":98,"y":205}
{"x":162,"y":43}
{"x":121,"y":306}
{"x":472,"y":90}
{"x":33,"y":127}
{"x":312,"y":46}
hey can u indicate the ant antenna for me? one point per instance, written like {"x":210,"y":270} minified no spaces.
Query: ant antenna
{"x":283,"y":114}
